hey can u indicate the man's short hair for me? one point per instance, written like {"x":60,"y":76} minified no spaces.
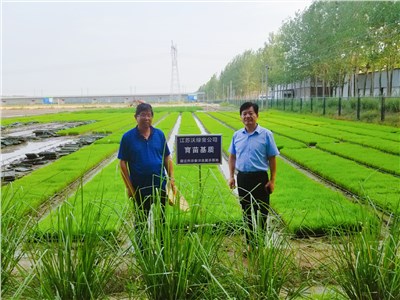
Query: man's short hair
{"x":143,"y":107}
{"x":247,"y":105}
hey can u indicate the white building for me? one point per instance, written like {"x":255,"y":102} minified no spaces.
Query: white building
{"x":354,"y":85}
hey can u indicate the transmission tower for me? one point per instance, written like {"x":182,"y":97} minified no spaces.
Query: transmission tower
{"x":175,"y":85}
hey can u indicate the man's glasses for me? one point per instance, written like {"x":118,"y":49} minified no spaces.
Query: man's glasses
{"x":143,"y":116}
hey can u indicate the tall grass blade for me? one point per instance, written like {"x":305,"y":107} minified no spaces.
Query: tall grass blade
{"x":171,"y":250}
{"x":16,"y":229}
{"x":366,"y":264}
{"x":79,"y":262}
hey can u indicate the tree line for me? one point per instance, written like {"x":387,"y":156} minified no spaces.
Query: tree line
{"x":330,"y":41}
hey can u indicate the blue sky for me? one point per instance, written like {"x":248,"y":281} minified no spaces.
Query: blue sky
{"x":92,"y":48}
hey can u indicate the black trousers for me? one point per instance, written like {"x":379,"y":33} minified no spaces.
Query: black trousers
{"x":145,"y":197}
{"x":252,"y":193}
{"x":144,"y":201}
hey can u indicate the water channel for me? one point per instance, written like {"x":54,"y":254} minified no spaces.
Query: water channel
{"x":28,"y":147}
{"x":18,"y":152}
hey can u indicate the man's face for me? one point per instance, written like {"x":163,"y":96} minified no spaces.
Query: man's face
{"x":144,"y":119}
{"x":249,"y":117}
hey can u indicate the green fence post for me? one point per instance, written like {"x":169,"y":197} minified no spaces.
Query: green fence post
{"x":324,"y":106}
{"x":382,"y":108}
{"x":301,"y":104}
{"x":340,"y":106}
{"x":358,"y":107}
{"x":311,"y":104}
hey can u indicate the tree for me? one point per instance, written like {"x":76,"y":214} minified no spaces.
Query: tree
{"x":331,"y":40}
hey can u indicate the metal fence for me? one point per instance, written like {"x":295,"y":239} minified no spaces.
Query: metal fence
{"x":357,"y":107}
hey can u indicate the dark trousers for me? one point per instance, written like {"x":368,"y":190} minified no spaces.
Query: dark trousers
{"x":252,"y":193}
{"x":144,"y":200}
{"x":146,"y":197}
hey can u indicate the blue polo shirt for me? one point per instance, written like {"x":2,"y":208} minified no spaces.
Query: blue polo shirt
{"x":252,"y":150}
{"x":145,"y":158}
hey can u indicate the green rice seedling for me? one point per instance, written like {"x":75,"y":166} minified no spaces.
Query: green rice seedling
{"x":372,"y":137}
{"x":346,"y":125}
{"x":383,"y":189}
{"x":37,"y":187}
{"x":165,"y":124}
{"x":322,"y":130}
{"x":111,"y":123}
{"x":309,"y":213}
{"x":370,"y":157}
{"x":271,"y":272}
{"x":383,"y":132}
{"x":214,"y":190}
{"x":107,"y":186}
{"x":76,"y":267}
{"x":179,"y":109}
{"x":100,"y":125}
{"x":15,"y":232}
{"x":209,"y":123}
{"x":105,"y":189}
{"x":174,"y":255}
{"x":309,"y":138}
{"x":366,"y":265}
{"x":217,"y":200}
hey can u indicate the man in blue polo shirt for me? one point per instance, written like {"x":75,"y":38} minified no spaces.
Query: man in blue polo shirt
{"x":144,"y":156}
{"x":252,"y":153}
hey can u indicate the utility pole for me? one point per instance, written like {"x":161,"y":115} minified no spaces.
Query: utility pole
{"x":266,"y":85}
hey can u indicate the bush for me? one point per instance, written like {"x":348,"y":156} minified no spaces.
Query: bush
{"x":15,"y":232}
{"x":76,"y":267}
{"x":175,"y":257}
{"x":392,"y":105}
{"x":366,"y":265}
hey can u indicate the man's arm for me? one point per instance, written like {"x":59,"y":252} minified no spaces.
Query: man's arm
{"x":270,"y":186}
{"x":125,"y":176}
{"x":169,"y":166}
{"x":232,"y":163}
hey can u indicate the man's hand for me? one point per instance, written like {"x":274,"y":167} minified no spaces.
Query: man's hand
{"x":173,"y":186}
{"x":172,"y":190}
{"x":231,"y":165}
{"x":269,"y":187}
{"x":232,"y":183}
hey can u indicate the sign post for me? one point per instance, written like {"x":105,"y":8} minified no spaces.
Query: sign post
{"x":198,"y":149}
